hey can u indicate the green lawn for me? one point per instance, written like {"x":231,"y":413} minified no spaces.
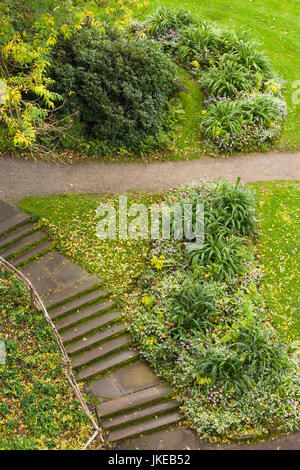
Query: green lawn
{"x":279,"y":211}
{"x":275,"y":23}
{"x":71,"y":220}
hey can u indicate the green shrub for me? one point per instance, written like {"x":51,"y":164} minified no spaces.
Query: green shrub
{"x":228,"y":79}
{"x":163,"y":19}
{"x":236,"y":204}
{"x":226,"y":255}
{"x":197,"y":43}
{"x":119,"y":87}
{"x":192,"y":308}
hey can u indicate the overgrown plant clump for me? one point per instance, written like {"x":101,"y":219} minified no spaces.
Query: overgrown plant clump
{"x":244,"y":108}
{"x":201,"y":321}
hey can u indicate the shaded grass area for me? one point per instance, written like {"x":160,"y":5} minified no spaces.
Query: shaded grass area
{"x":38,"y":409}
{"x":274,"y":23}
{"x":279,"y":210}
{"x":72,"y":221}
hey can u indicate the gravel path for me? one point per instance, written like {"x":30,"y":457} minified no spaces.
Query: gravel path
{"x":20,"y":178}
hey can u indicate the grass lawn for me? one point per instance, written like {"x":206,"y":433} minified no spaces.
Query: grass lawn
{"x":71,"y":220}
{"x":38,"y":409}
{"x":275,"y":23}
{"x":279,"y":211}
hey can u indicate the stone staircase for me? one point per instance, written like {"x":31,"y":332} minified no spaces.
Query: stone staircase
{"x":130,"y":399}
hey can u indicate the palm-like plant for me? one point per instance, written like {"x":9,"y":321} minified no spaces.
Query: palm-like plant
{"x":192,"y":308}
{"x":223,"y":117}
{"x":228,"y":79}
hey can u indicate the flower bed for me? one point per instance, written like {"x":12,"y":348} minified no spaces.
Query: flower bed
{"x":201,"y":321}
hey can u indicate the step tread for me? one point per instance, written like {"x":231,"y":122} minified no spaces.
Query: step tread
{"x":89,"y":326}
{"x":83,"y":314}
{"x":133,"y":400}
{"x":23,"y":243}
{"x":30,"y":253}
{"x":69,"y":292}
{"x":140,"y":428}
{"x":78,"y":302}
{"x":17,"y":219}
{"x":139,"y":414}
{"x":102,"y":350}
{"x":15,"y":234}
{"x":96,"y":338}
{"x":106,"y":363}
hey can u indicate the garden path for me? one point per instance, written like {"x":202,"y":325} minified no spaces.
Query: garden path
{"x":20,"y":177}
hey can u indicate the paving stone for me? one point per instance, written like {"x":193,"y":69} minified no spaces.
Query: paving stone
{"x":141,"y":428}
{"x":136,"y":377}
{"x":89,"y":326}
{"x":101,"y":351}
{"x":17,"y":219}
{"x":15,"y":234}
{"x":32,"y":252}
{"x":96,"y":338}
{"x":103,"y":389}
{"x":153,"y":410}
{"x":83,"y":314}
{"x":106,"y":364}
{"x":133,"y":400}
{"x":23,"y":243}
{"x":6,"y":211}
{"x":78,"y":302}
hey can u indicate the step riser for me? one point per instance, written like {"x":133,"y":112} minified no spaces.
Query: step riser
{"x":102,"y":311}
{"x":58,"y":299}
{"x":32,"y":254}
{"x":98,"y":329}
{"x":124,"y":421}
{"x":63,"y":313}
{"x":73,"y":353}
{"x":143,"y":428}
{"x":16,"y":235}
{"x":124,"y":344}
{"x":18,"y":248}
{"x":92,"y":376}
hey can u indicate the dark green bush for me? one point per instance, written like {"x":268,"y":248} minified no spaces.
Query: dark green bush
{"x":119,"y":87}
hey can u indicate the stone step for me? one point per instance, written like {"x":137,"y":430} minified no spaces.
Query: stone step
{"x":101,"y":351}
{"x":137,"y":415}
{"x":77,"y":303}
{"x":90,"y":326}
{"x":59,"y":297}
{"x":142,"y":428}
{"x":23,"y":243}
{"x":133,"y":400}
{"x":74,"y":318}
{"x":14,"y":221}
{"x":38,"y":249}
{"x":15,"y":234}
{"x":106,"y":364}
{"x":100,"y":336}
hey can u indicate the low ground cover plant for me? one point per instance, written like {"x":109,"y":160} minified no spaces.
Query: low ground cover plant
{"x":38,"y":408}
